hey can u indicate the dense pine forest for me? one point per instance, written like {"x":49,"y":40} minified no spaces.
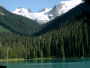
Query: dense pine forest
{"x":70,"y":41}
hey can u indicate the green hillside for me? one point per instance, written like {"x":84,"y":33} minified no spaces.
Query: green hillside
{"x":2,"y":29}
{"x":16,"y":23}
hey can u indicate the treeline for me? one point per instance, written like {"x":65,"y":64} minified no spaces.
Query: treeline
{"x":70,"y":41}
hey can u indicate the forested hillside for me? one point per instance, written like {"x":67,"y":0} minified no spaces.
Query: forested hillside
{"x":70,"y":41}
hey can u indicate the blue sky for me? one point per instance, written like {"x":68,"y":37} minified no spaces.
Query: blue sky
{"x":34,"y":5}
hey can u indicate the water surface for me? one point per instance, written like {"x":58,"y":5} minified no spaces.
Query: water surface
{"x":55,"y":63}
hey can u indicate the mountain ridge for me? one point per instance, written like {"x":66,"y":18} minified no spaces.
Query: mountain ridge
{"x":48,"y":14}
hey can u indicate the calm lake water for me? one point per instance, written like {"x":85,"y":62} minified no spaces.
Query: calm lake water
{"x":56,"y":63}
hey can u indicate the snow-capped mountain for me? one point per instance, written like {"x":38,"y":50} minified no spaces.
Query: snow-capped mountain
{"x":38,"y":16}
{"x":48,"y":14}
{"x":63,"y":7}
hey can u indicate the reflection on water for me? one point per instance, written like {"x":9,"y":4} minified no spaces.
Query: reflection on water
{"x":55,"y":63}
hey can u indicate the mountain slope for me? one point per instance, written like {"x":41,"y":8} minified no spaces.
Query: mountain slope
{"x":25,"y":26}
{"x":79,"y":12}
{"x":17,"y":23}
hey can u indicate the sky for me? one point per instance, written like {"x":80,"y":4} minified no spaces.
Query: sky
{"x":34,"y":5}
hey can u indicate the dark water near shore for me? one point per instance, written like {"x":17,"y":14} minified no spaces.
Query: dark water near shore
{"x":55,"y":63}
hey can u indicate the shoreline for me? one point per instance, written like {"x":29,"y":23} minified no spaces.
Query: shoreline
{"x":12,"y":60}
{"x":35,"y":59}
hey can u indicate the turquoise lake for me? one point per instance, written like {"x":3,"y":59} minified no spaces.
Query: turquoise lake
{"x":56,"y":63}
